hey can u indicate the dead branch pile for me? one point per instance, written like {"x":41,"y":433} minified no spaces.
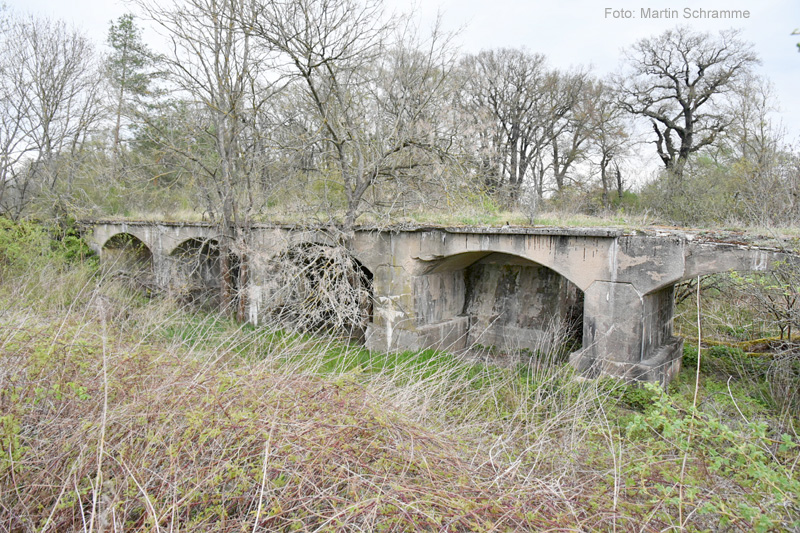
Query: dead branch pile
{"x":322,"y":288}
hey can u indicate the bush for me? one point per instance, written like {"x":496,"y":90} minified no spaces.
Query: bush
{"x":46,"y":264}
{"x":26,"y":246}
{"x":23,"y":245}
{"x":742,"y":479}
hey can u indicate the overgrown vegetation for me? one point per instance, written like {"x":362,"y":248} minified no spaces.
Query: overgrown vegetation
{"x":126,"y":409}
{"x":126,"y":413}
{"x":747,"y":329}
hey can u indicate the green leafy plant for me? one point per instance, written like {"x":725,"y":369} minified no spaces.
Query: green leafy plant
{"x":761,"y":488}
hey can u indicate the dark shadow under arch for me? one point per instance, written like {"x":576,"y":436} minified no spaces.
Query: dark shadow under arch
{"x":195,"y":273}
{"x":129,"y":247}
{"x":512,"y":304}
{"x":125,"y":255}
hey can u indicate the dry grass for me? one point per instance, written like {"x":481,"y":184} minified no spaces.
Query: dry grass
{"x":113,"y":420}
{"x":121,"y":414}
{"x":457,"y":216}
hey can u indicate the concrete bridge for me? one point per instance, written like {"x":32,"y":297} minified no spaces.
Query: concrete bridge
{"x":450,"y":288}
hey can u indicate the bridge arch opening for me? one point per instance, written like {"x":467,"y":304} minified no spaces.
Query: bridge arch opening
{"x":320,"y":287}
{"x":196,"y":271}
{"x":504,"y":304}
{"x":746,"y":307}
{"x":125,"y":254}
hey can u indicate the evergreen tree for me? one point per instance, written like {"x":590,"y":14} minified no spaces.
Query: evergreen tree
{"x":128,"y":69}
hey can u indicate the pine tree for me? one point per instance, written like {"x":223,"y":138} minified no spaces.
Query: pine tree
{"x":128,"y":69}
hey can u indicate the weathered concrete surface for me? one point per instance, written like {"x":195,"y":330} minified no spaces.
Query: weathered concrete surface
{"x":514,"y":304}
{"x":196,"y":264}
{"x":451,"y":287}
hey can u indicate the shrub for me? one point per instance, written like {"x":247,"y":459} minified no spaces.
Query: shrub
{"x":23,"y":246}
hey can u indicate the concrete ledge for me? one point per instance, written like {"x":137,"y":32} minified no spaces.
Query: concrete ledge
{"x":377,"y":340}
{"x":587,"y":366}
{"x":661,"y":367}
{"x":449,"y":335}
{"x":665,"y":363}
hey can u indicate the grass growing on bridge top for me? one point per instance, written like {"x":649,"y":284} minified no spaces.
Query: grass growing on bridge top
{"x":467,"y":216}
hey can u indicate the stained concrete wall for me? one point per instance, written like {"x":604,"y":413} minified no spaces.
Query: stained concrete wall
{"x":494,"y":300}
{"x":657,"y":320}
{"x":195,"y":272}
{"x":516,"y":305}
{"x":627,"y":334}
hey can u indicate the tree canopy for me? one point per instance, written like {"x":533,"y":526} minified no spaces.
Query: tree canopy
{"x":679,"y":81}
{"x":336,"y":111}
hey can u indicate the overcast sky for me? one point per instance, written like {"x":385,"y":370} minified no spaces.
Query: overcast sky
{"x":580,"y":32}
{"x":568,"y":32}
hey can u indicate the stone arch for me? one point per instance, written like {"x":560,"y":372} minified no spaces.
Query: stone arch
{"x":716,"y":258}
{"x":325,"y":238}
{"x":114,"y":234}
{"x":659,"y":346}
{"x":706,"y":258}
{"x":366,"y":275}
{"x":502,"y":300}
{"x":128,"y":253}
{"x":126,"y":257}
{"x":195,"y":271}
{"x":721,"y":259}
{"x":581,"y":259}
{"x":309,"y":237}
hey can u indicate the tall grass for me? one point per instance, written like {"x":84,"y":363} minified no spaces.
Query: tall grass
{"x":122,"y":413}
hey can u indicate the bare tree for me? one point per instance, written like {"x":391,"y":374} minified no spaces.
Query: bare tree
{"x":570,"y":130}
{"x":16,"y":118}
{"x":512,"y":93}
{"x":754,"y":149}
{"x":609,"y":136}
{"x":530,"y":124}
{"x":679,"y":81}
{"x":750,"y":173}
{"x":215,"y":71}
{"x":50,"y":93}
{"x":368,"y":85}
{"x":753,"y":134}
